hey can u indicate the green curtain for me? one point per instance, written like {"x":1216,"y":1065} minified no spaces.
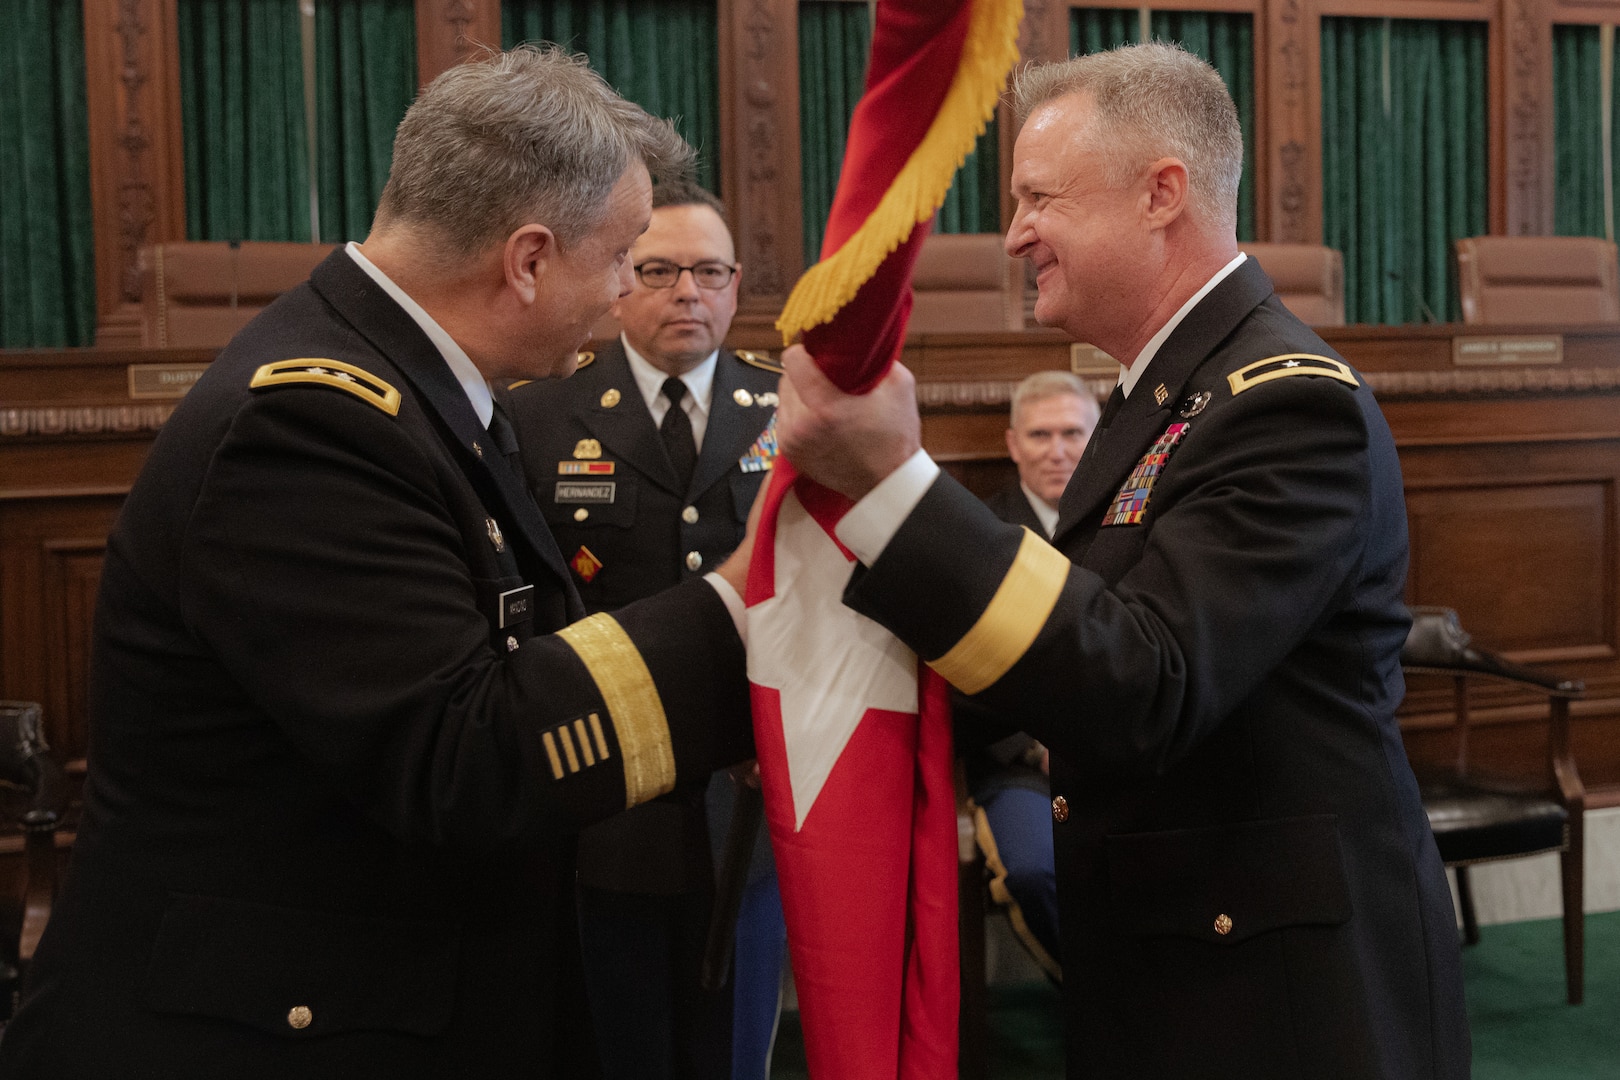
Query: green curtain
{"x":1578,"y":131}
{"x":47,"y":265}
{"x":662,"y":54}
{"x":1404,"y":164}
{"x":242,"y":119}
{"x":834,"y":39}
{"x":365,"y":79}
{"x":1225,"y":39}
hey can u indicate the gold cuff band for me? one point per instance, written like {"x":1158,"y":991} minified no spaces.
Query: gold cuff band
{"x":633,"y":706}
{"x":1012,"y":620}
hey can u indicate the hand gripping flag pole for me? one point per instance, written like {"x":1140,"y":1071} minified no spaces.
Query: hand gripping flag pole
{"x":853,"y":734}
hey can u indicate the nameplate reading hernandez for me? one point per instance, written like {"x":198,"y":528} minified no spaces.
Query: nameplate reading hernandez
{"x":1505,"y":350}
{"x":163,"y":380}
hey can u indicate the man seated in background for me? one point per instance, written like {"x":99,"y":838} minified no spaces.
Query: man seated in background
{"x":346,"y":711}
{"x":1053,"y":415}
{"x":645,"y":464}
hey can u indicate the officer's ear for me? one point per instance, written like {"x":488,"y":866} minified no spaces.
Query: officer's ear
{"x":530,"y":253}
{"x":1165,"y":192}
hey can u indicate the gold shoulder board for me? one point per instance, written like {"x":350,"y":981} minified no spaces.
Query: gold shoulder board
{"x":1281,"y":367}
{"x":759,"y":360}
{"x":346,"y":377}
{"x":586,"y":359}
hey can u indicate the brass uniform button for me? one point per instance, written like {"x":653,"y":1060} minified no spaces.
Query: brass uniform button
{"x":1060,"y":809}
{"x":299,"y":1017}
{"x":690,"y":515}
{"x":610,"y":398}
{"x":693,"y":560}
{"x":1223,"y":924}
{"x":581,"y":514}
{"x":511,"y":643}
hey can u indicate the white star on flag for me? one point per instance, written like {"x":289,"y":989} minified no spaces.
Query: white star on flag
{"x":830,"y":663}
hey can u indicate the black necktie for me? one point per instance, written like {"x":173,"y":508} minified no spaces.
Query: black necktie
{"x":677,"y":433}
{"x":504,"y":436}
{"x":1115,"y":400}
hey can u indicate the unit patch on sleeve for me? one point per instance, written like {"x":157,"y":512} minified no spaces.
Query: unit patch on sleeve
{"x":585,"y":564}
{"x":762,"y":455}
{"x":1131,"y":502}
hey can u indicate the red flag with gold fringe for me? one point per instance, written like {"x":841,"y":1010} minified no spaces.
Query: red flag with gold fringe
{"x":853,"y":733}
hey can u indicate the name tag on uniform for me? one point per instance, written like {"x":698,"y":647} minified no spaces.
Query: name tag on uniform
{"x":517,"y":606}
{"x":574,"y":491}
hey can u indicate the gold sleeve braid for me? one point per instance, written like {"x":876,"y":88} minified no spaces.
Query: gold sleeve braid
{"x":633,"y":705}
{"x":1011,"y":621}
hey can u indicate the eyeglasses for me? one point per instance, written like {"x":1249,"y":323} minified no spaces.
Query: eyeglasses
{"x":659,"y":274}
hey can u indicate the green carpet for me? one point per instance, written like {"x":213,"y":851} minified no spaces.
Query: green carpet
{"x":1514,"y":979}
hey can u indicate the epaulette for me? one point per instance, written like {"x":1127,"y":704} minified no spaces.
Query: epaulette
{"x":1281,"y":367}
{"x":334,"y":373}
{"x":759,"y":360}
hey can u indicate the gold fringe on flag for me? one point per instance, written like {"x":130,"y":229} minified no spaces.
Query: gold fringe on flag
{"x":988,"y":55}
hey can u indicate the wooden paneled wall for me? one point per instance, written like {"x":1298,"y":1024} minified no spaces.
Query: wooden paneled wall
{"x":138,"y":179}
{"x":1512,"y":484}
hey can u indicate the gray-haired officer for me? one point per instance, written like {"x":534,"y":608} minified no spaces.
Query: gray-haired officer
{"x":347,"y":712}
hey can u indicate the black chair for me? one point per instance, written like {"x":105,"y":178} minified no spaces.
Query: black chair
{"x":1479,"y":819}
{"x":35,"y":800}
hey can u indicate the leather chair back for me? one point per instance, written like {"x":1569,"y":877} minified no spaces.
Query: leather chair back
{"x":1309,"y":279}
{"x":966,"y":283}
{"x":198,"y":293}
{"x":1538,"y":279}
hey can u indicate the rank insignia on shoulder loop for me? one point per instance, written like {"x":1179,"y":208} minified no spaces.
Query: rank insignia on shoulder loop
{"x":334,"y":373}
{"x":1195,"y":404}
{"x":585,"y":564}
{"x":1130,"y":504}
{"x":588,"y":448}
{"x":1287,"y":364}
{"x":761,"y":457}
{"x":585,"y":468}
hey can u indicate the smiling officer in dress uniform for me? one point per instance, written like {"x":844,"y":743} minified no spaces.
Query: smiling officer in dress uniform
{"x":1210,"y":643}
{"x":643,"y":493}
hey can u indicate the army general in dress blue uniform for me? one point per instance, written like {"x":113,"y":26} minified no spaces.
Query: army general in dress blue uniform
{"x":347,"y":710}
{"x":1210,"y":643}
{"x":645,"y":464}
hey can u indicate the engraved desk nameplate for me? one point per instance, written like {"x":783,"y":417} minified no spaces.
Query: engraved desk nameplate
{"x":1506,"y":349}
{"x":163,"y":380}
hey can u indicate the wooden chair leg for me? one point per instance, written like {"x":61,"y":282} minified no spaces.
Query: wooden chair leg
{"x":1572,"y":862}
{"x":1465,"y":901}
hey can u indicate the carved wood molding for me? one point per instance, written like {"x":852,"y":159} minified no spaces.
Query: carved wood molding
{"x":759,"y":90}
{"x":1466,"y":382}
{"x":1295,"y":136}
{"x":135,"y":202}
{"x":1527,"y":125}
{"x":1478,"y":382}
{"x":82,"y":421}
{"x":137,"y":172}
{"x":450,"y":32}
